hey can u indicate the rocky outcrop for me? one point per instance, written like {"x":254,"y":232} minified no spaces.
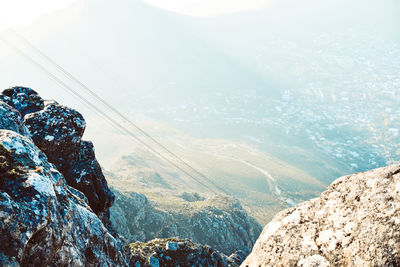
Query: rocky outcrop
{"x":57,"y":131}
{"x":11,"y":119}
{"x":219,"y":222}
{"x":44,"y":221}
{"x":192,"y":197}
{"x":355,"y":222}
{"x":23,"y":99}
{"x":178,"y":252}
{"x":135,"y":218}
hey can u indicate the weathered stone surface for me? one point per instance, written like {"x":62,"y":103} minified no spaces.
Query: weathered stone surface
{"x":191,"y":197}
{"x":57,"y":130}
{"x":44,"y":221}
{"x":84,"y":173}
{"x":355,"y":222}
{"x":156,"y":253}
{"x":23,"y":99}
{"x":135,"y":218}
{"x":219,"y":222}
{"x":11,"y":119}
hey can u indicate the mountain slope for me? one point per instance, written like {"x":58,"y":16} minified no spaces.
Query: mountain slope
{"x":263,"y":184}
{"x":219,"y":222}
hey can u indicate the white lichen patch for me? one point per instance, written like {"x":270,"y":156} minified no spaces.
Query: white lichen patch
{"x":324,"y":236}
{"x":349,"y":227}
{"x":398,"y":188}
{"x":294,"y":217}
{"x":270,"y":229}
{"x":371,"y":183}
{"x":313,"y":261}
{"x":14,"y":145}
{"x":20,"y":145}
{"x":49,"y":138}
{"x":41,"y":184}
{"x":309,"y":242}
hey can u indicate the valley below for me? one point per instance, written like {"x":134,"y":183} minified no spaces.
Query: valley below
{"x":261,"y":182}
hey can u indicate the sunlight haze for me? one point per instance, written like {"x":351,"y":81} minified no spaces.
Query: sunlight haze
{"x":170,"y":132}
{"x":209,"y":8}
{"x":12,"y":13}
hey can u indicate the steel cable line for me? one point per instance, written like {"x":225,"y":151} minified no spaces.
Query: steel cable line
{"x":100,"y":112}
{"x":109,"y":106}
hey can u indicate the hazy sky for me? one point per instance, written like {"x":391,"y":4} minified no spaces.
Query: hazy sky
{"x":209,"y":7}
{"x":23,"y":12}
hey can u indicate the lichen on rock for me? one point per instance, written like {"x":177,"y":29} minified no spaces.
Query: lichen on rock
{"x":218,"y":221}
{"x":23,"y":99}
{"x":11,"y":119}
{"x":57,"y":130}
{"x":44,"y":221}
{"x":9,"y":169}
{"x":355,"y":222}
{"x":177,"y":252}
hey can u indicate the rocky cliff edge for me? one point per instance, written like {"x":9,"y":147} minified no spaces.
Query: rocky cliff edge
{"x":355,"y":222}
{"x":54,"y":199}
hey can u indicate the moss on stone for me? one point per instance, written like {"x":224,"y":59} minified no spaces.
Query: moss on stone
{"x":9,"y":169}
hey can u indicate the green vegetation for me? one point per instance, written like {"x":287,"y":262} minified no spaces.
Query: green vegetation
{"x":9,"y":169}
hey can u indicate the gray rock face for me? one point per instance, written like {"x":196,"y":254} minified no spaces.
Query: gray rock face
{"x":84,"y":173}
{"x":44,"y":221}
{"x":135,"y":218}
{"x":57,"y":131}
{"x":11,"y":119}
{"x":23,"y":99}
{"x":178,"y":252}
{"x":191,"y":197}
{"x":219,"y":222}
{"x":355,"y":222}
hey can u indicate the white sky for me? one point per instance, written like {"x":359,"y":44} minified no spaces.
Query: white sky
{"x":23,"y":12}
{"x":209,"y":8}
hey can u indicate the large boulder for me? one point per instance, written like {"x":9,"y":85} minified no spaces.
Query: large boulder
{"x":84,"y":173}
{"x":57,"y":131}
{"x":23,"y":99}
{"x":355,"y":222}
{"x":11,"y":119}
{"x":44,"y":221}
